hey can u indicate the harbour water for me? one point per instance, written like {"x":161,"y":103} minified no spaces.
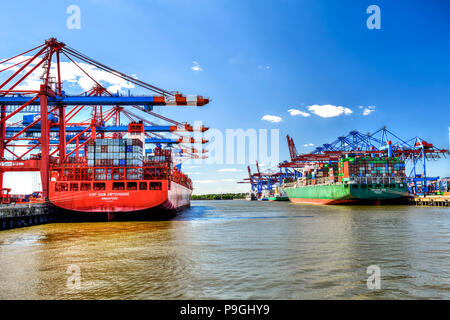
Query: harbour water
{"x":235,"y":249}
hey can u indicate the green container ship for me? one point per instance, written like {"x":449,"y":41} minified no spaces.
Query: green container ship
{"x":344,"y":193}
{"x":350,"y":179}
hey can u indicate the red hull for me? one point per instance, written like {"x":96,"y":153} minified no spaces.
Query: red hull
{"x":320,"y":201}
{"x":122,"y":201}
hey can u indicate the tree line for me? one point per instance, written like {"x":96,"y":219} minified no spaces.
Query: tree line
{"x":218,"y":196}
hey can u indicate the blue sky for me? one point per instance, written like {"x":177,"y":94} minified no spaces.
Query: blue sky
{"x":262,"y":58}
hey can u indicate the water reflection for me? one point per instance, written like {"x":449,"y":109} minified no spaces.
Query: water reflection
{"x":236,"y":250}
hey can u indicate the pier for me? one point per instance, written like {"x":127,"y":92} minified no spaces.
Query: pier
{"x":24,"y":215}
{"x":434,"y":201}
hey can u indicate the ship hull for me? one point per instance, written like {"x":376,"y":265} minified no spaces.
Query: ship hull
{"x":278,"y":198}
{"x":344,"y":193}
{"x":173,"y":198}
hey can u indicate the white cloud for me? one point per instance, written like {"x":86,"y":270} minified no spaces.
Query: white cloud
{"x":229,"y":170}
{"x":368,"y":110}
{"x":308,"y":145}
{"x":69,"y":73}
{"x":261,"y":67}
{"x":329,"y":111}
{"x":196,"y":66}
{"x":271,"y":118}
{"x":204,"y":181}
{"x":193,"y":167}
{"x":295,"y":112}
{"x":227,"y":180}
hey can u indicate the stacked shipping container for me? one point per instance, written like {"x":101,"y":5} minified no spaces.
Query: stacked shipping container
{"x":371,"y":170}
{"x":322,"y":174}
{"x":116,"y":153}
{"x":356,"y":170}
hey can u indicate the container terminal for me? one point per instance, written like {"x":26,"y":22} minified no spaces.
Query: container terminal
{"x":97,"y":152}
{"x":372,"y":168}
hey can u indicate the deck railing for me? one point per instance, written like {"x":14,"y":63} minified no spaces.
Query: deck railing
{"x":354,"y":180}
{"x":80,"y":171}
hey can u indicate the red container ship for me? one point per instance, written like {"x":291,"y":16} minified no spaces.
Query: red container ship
{"x":90,"y":161}
{"x":115,"y":178}
{"x":153,"y":187}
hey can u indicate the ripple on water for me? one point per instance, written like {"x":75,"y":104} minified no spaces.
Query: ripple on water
{"x":236,"y":250}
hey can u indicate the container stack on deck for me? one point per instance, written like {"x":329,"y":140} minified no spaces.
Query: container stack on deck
{"x":116,"y":153}
{"x":356,"y":170}
{"x":369,"y":169}
{"x":159,"y":156}
{"x":323,"y":173}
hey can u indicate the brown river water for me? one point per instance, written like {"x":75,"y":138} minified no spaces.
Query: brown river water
{"x":235,"y":250}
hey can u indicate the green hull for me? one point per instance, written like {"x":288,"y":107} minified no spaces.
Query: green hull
{"x":342,"y":193}
{"x":278,"y":198}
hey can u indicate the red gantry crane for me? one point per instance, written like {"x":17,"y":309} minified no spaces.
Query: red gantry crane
{"x":57,"y":125}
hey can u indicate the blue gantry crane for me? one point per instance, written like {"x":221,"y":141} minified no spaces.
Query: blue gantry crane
{"x":415,"y":152}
